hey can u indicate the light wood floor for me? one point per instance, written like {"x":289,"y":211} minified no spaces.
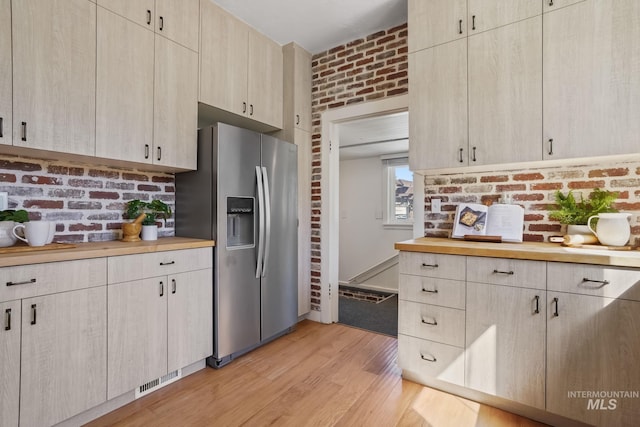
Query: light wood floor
{"x":319,"y":375}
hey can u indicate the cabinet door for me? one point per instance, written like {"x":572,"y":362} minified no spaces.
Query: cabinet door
{"x":552,"y":5}
{"x":124,"y":92}
{"x":137,"y":334}
{"x":54,"y":75}
{"x":438,"y":107}
{"x":190,"y":321}
{"x":303,"y":141}
{"x":591,"y":86}
{"x":5,"y":73}
{"x":139,"y":11}
{"x":485,"y":15}
{"x":64,"y":350}
{"x":10,"y":366}
{"x":592,"y":346}
{"x":505,"y":342}
{"x":175,"y":123}
{"x":302,"y":89}
{"x":435,"y":22}
{"x":223,"y":60}
{"x":178,"y":21}
{"x":505,"y":94}
{"x":265,"y":80}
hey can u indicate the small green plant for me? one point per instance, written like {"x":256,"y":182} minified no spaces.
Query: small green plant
{"x":155,"y":210}
{"x":577,"y":212}
{"x":13,"y":215}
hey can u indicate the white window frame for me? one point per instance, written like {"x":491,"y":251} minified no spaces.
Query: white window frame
{"x":389,"y":162}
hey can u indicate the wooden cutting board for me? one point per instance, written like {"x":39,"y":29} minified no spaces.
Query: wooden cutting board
{"x":26,"y":248}
{"x":604,"y":247}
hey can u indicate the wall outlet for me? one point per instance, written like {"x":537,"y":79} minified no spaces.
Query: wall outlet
{"x":436,"y":205}
{"x":4,"y":200}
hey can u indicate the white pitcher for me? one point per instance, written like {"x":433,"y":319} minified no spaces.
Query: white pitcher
{"x":613,"y":228}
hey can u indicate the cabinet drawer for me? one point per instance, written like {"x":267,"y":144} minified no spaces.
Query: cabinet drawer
{"x":431,"y":322}
{"x":509,"y":272}
{"x":141,"y":266}
{"x":432,"y":290}
{"x":428,"y":359}
{"x":27,"y":281}
{"x":612,"y":282}
{"x":432,"y":265}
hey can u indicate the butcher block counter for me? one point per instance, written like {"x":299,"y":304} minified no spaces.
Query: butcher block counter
{"x":68,"y":252}
{"x":527,"y":251}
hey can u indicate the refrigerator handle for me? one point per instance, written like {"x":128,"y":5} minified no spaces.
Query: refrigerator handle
{"x":261,"y":222}
{"x":267,"y":208}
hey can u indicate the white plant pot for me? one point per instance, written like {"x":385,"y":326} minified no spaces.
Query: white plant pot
{"x":578,"y":229}
{"x":149,"y":232}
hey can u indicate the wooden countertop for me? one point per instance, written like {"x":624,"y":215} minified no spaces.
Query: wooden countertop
{"x":102,"y":249}
{"x":527,"y":250}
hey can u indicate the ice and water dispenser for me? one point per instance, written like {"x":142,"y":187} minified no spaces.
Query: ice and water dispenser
{"x":240,"y":221}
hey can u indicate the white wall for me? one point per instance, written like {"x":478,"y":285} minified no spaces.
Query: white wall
{"x":364,"y":242}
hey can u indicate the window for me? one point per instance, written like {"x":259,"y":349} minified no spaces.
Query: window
{"x":398,"y":192}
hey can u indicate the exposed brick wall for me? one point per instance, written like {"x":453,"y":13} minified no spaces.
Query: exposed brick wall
{"x":362,"y":70}
{"x":87,"y":202}
{"x":534,"y":190}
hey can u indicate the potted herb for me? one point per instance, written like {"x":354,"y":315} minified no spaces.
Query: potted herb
{"x":8,"y":220}
{"x":154,"y":210}
{"x":575,"y":212}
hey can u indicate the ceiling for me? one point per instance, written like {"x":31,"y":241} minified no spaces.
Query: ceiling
{"x":374,"y":136}
{"x":318,"y":25}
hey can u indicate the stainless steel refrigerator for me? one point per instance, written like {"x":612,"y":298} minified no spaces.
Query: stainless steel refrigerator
{"x":244,"y":196}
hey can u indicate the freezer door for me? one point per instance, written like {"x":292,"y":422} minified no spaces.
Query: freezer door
{"x":237,"y":290}
{"x":280,"y":271}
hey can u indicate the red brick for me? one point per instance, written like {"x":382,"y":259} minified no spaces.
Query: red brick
{"x":109,"y":195}
{"x":21,"y":166}
{"x":365,"y":46}
{"x":398,"y":28}
{"x":345,"y":67}
{"x":489,"y":199}
{"x":585,"y":184}
{"x":337,"y":63}
{"x":134,"y":177}
{"x":385,"y":86}
{"x":355,"y":100}
{"x":166,"y":179}
{"x":533,"y":217}
{"x":355,"y":42}
{"x":552,"y":228}
{"x":364,"y":61}
{"x":337,"y":104}
{"x":533,"y":237}
{"x":398,"y":75}
{"x":546,"y":186}
{"x":65,"y":170}
{"x":494,"y":178}
{"x":511,"y":187}
{"x":528,"y":176}
{"x":327,"y":59}
{"x":41,"y":180}
{"x":398,"y":91}
{"x":43,"y":204}
{"x":327,"y":72}
{"x":396,"y":60}
{"x":386,"y":55}
{"x":355,"y":57}
{"x":528,"y":197}
{"x":7,"y":177}
{"x":345,"y":53}
{"x":625,"y":206}
{"x":386,"y":39}
{"x":403,"y":50}
{"x":373,"y":51}
{"x":376,"y":35}
{"x":449,"y":190}
{"x":599,"y":173}
{"x":104,"y":174}
{"x":387,"y":70}
{"x":375,"y":96}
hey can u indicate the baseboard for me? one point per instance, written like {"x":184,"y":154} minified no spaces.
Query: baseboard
{"x":369,"y":287}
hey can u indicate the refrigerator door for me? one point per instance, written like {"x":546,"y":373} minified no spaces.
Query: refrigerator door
{"x":236,"y":290}
{"x":279,"y":285}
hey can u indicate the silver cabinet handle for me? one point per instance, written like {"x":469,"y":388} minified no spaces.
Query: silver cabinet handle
{"x":251,"y":109}
{"x":508,"y":273}
{"x":435,"y":291}
{"x":425,"y":265}
{"x":431,"y":358}
{"x":473,"y":22}
{"x":603,"y":283}
{"x":21,"y":283}
{"x":168,"y":263}
{"x":159,"y":153}
{"x":7,"y":319}
{"x":434,"y":323}
{"x":173,"y":286}
{"x":161,"y":289}
{"x":33,"y":313}
{"x":148,"y":17}
{"x":555,"y":310}
{"x":550,"y":152}
{"x":460,"y":26}
{"x":473,"y":155}
{"x":460,"y":154}
{"x":146,"y":151}
{"x":244,"y":107}
{"x":161,"y":23}
{"x":24,"y":131}
{"x":537,"y":300}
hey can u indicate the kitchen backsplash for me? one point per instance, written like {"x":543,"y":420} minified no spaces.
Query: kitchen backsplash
{"x":534,"y":190}
{"x":87,"y":202}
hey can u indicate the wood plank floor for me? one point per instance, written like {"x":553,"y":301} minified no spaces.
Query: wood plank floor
{"x":319,"y":375}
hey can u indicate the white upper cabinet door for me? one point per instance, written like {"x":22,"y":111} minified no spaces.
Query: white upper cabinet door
{"x":139,"y":11}
{"x":505,"y":94}
{"x":178,"y":21}
{"x":124,"y":108}
{"x":223,"y":60}
{"x":175,"y":105}
{"x":265,"y":79}
{"x":54,"y":75}
{"x":438,"y":107}
{"x":433,"y":22}
{"x":485,"y":15}
{"x":5,"y":73}
{"x":592,"y":79}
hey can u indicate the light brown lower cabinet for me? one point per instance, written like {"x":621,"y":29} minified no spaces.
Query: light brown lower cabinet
{"x":10,"y":363}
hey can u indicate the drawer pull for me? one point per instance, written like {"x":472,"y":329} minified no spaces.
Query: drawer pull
{"x":434,"y":323}
{"x":602,"y":282}
{"x":173,"y":286}
{"x":435,"y":291}
{"x":555,"y":310}
{"x":425,"y":265}
{"x":7,"y":319}
{"x":460,"y":26}
{"x":161,"y":289}
{"x":508,"y":273}
{"x":537,"y":309}
{"x":21,"y":283}
{"x":168,"y":263}
{"x":33,"y":314}
{"x":431,"y":358}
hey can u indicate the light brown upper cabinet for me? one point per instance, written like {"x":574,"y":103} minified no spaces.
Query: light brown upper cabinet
{"x":592,"y":79}
{"x":5,"y":73}
{"x":240,"y":69}
{"x":551,"y":5}
{"x":297,"y":87}
{"x":54,"y":75}
{"x":483,"y":15}
{"x":175,"y":20}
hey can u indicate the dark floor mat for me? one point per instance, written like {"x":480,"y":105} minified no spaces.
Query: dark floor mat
{"x":381,"y":317}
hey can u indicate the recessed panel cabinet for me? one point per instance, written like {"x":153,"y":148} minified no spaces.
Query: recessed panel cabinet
{"x":54,"y":75}
{"x":10,"y":323}
{"x":6,"y":108}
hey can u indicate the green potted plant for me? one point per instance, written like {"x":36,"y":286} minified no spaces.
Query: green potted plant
{"x":575,"y":212}
{"x":154,"y":211}
{"x":8,"y":220}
